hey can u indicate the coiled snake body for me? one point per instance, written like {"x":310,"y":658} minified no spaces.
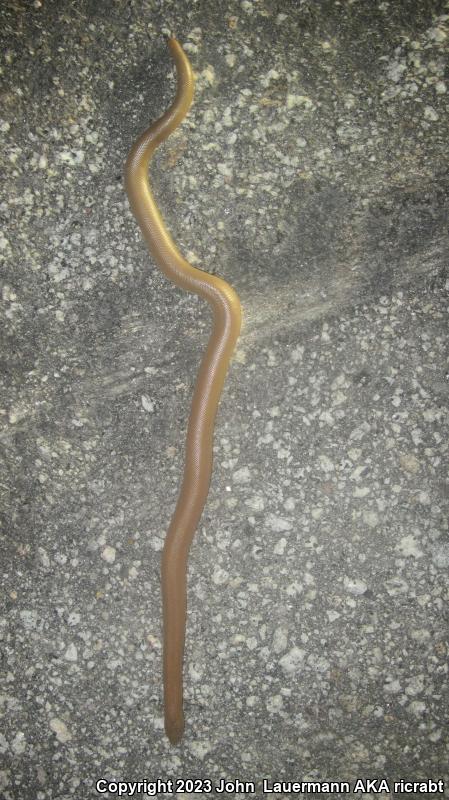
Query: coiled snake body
{"x":226,"y":327}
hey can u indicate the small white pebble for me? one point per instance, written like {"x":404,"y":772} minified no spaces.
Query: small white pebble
{"x":71,"y":654}
{"x":147,"y":403}
{"x":371,"y":518}
{"x":280,"y":639}
{"x":220,"y":576}
{"x":108,"y":554}
{"x":297,"y":354}
{"x":60,"y":729}
{"x":355,"y":586}
{"x":437,"y":34}
{"x":208,"y":74}
{"x":392,"y":686}
{"x":417,"y":707}
{"x":18,"y":744}
{"x":278,"y":524}
{"x":247,"y":6}
{"x":200,"y":749}
{"x":225,"y":169}
{"x":440,"y":555}
{"x":293,"y":660}
{"x":326,"y":463}
{"x":361,"y":491}
{"x":242,"y":475}
{"x":255,"y":503}
{"x":430,"y":114}
{"x":300,"y":100}
{"x":410,"y":547}
{"x":279,"y":547}
{"x":274,"y":704}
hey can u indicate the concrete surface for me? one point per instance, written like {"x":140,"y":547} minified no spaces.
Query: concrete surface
{"x":312,"y":174}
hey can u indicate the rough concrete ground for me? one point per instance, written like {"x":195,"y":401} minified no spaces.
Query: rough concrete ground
{"x":312,"y":174}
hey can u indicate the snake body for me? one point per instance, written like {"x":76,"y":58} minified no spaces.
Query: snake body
{"x":211,"y":376}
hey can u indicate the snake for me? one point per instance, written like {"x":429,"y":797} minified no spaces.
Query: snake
{"x":226,"y":324}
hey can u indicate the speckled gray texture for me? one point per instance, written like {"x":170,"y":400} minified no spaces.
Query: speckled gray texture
{"x":312,"y":174}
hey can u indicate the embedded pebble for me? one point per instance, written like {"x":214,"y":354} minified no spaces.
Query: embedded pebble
{"x":255,"y":503}
{"x":71,"y":654}
{"x":274,"y":704}
{"x":371,"y":518}
{"x":430,"y":114}
{"x":278,"y":524}
{"x":293,"y":661}
{"x":242,"y":475}
{"x":18,"y":744}
{"x":440,"y":555}
{"x":355,"y":586}
{"x":59,"y":727}
{"x":148,"y":404}
{"x":220,"y":576}
{"x":108,"y":554}
{"x":280,"y":546}
{"x":280,"y":639}
{"x":29,"y":618}
{"x":409,"y":546}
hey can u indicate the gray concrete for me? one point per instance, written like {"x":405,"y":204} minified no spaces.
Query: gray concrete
{"x":312,"y":174}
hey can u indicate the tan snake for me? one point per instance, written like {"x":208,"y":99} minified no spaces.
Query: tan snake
{"x":226,"y":327}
